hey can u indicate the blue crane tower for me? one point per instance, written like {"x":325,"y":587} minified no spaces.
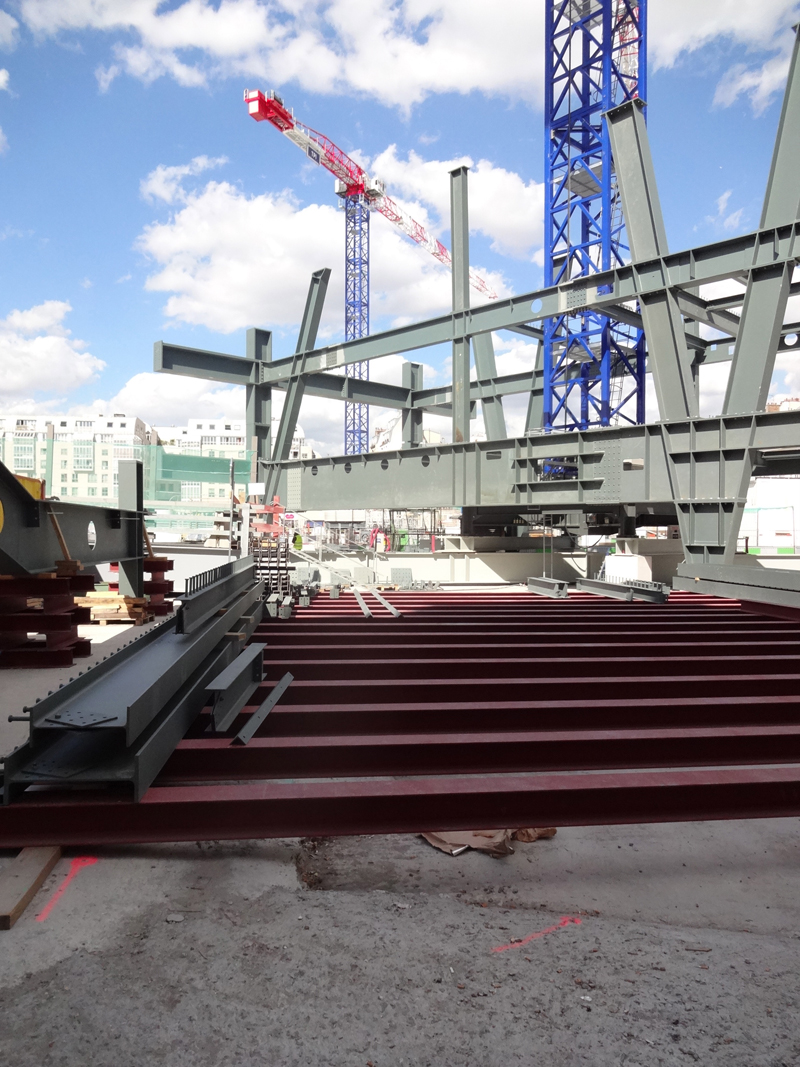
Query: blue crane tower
{"x":356,"y":312}
{"x":596,"y":58}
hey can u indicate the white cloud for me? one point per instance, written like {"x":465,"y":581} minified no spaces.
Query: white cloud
{"x":502,"y":205}
{"x":680,"y":27}
{"x":4,"y":79}
{"x":230,"y":260}
{"x":397,"y":51}
{"x":164,"y":183}
{"x":168,"y":399}
{"x":8,"y":31}
{"x":727,"y":220}
{"x":3,"y":142}
{"x":38,"y":355}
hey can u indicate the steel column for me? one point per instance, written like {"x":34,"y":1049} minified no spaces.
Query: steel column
{"x":459,"y":231}
{"x":412,"y":418}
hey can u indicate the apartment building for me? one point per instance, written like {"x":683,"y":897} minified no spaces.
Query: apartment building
{"x":77,"y":457}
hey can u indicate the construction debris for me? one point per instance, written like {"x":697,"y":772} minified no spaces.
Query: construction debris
{"x":496,"y":842}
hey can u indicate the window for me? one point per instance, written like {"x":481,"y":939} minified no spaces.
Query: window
{"x":62,"y":424}
{"x":74,"y":490}
{"x":64,"y":477}
{"x":63,"y":464}
{"x":92,"y":476}
{"x":212,"y":492}
{"x":212,"y":426}
{"x":92,"y":491}
{"x":23,"y":454}
{"x":190,"y":491}
{"x":208,"y":440}
{"x":83,"y":455}
{"x":83,"y":422}
{"x":63,"y":451}
{"x":199,"y":426}
{"x":104,"y":478}
{"x":105,"y":492}
{"x":123,"y":425}
{"x":104,"y":463}
{"x":74,"y":478}
{"x":110,"y":425}
{"x":227,"y":427}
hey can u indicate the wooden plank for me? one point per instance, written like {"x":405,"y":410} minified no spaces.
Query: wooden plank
{"x":21,"y":879}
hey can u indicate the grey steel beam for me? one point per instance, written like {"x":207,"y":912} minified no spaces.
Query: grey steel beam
{"x":782,"y":196}
{"x":233,"y":686}
{"x":669,"y":359}
{"x":28,"y":541}
{"x":198,"y":363}
{"x":551,"y":587}
{"x":607,"y":589}
{"x":258,"y":400}
{"x":688,"y":269}
{"x":459,"y":231}
{"x":259,"y":715}
{"x":385,"y":603}
{"x":698,"y":309}
{"x":694,"y":465}
{"x":206,"y":592}
{"x":296,"y":387}
{"x":494,"y":420}
{"x":534,"y":417}
{"x":362,"y":604}
{"x":131,"y":499}
{"x":768,"y":288}
{"x":412,"y":419}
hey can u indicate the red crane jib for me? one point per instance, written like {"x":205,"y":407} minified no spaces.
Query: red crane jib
{"x":272,"y":110}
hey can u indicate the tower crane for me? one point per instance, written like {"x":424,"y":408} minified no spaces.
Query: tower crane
{"x":361,"y":195}
{"x":595,"y":58}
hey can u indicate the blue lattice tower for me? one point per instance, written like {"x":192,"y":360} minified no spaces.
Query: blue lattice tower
{"x":596,"y":58}
{"x":356,"y":313}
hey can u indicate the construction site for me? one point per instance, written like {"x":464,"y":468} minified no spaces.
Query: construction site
{"x":455,"y":748}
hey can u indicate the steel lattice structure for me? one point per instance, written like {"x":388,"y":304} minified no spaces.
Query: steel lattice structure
{"x":594,"y":367}
{"x":356,"y":314}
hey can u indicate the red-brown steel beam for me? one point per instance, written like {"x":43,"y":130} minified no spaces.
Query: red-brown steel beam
{"x":216,"y":759}
{"x":352,"y":720}
{"x":411,"y":805}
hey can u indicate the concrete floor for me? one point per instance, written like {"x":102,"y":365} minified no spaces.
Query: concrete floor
{"x":379,"y":951}
{"x":359,"y":951}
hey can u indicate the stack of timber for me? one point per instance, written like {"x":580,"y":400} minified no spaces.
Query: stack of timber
{"x":157,"y":586}
{"x":39,"y":619}
{"x":112,"y":606}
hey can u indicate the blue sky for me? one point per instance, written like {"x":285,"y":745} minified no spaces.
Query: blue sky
{"x":106,"y":247}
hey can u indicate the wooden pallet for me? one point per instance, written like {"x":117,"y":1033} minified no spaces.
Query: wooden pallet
{"x":110,"y":607}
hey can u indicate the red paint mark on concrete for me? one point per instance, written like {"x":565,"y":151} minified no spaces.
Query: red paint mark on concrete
{"x":565,"y":920}
{"x":78,"y":863}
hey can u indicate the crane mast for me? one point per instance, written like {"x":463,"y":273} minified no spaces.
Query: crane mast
{"x":361,"y":195}
{"x":596,"y":58}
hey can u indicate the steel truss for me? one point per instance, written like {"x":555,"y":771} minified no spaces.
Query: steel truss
{"x":656,"y":292}
{"x":594,"y":367}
